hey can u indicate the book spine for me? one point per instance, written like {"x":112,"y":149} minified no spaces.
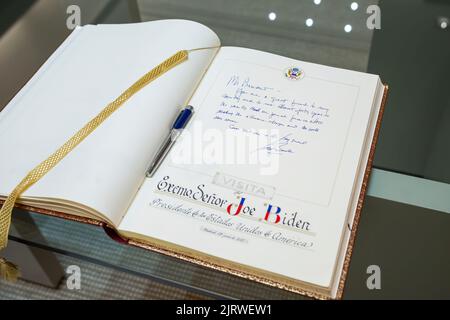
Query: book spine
{"x":113,"y":234}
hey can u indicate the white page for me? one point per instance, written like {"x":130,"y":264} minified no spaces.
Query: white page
{"x":358,"y":185}
{"x":93,"y":67}
{"x":312,"y":184}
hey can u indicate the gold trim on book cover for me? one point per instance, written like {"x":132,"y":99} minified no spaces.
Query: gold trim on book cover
{"x":362,"y":197}
{"x":235,"y":269}
{"x":229,"y":267}
{"x":60,"y":215}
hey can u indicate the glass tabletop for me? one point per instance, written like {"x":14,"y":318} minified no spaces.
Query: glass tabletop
{"x":406,"y":42}
{"x":410,"y":51}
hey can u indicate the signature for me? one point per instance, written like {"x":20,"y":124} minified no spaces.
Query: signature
{"x":283,"y":145}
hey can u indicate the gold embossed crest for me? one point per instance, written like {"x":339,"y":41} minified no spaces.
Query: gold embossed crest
{"x":294,"y":73}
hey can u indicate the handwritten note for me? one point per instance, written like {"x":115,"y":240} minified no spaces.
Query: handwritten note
{"x":247,"y":105}
{"x":290,"y":134}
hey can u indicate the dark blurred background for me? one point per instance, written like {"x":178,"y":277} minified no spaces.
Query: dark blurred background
{"x":411,"y":52}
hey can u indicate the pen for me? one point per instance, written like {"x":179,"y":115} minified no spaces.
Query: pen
{"x":177,"y":128}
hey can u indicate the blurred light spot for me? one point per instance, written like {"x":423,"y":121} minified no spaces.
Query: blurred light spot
{"x":443,"y":22}
{"x":354,"y":6}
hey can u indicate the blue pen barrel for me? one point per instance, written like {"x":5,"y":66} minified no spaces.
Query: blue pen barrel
{"x":183,"y":118}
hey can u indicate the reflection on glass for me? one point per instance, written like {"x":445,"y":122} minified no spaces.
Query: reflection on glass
{"x":272,"y":16}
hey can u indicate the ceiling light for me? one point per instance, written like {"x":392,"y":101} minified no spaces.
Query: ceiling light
{"x":443,"y":22}
{"x":272,"y":16}
{"x":354,"y":6}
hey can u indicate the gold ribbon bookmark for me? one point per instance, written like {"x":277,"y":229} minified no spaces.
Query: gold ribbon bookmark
{"x":8,"y":270}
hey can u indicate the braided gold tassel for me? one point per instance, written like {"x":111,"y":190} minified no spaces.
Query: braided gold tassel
{"x":8,"y":270}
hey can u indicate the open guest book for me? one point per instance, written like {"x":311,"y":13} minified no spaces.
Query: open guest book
{"x":266,"y":182}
